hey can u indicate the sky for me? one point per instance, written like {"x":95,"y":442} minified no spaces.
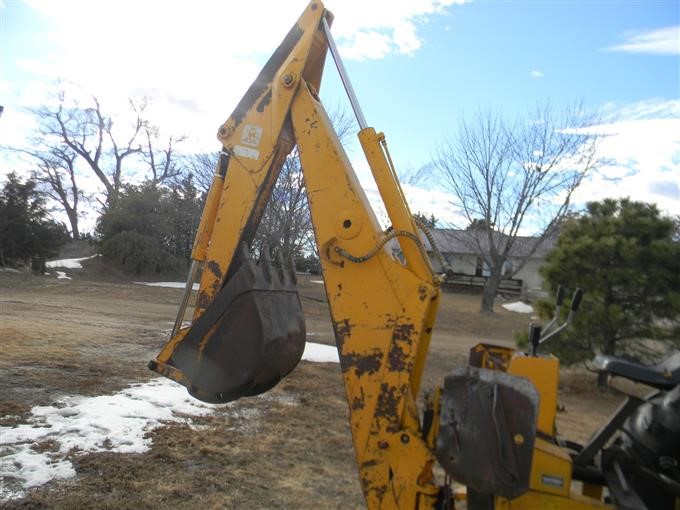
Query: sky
{"x":417,"y":67}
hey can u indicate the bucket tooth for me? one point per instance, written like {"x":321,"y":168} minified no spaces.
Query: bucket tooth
{"x":247,"y":261}
{"x":244,"y":253}
{"x":266,"y":263}
{"x":281,"y":267}
{"x":291,"y":270}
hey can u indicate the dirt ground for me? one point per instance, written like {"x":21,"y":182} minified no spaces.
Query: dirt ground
{"x":94,"y":335}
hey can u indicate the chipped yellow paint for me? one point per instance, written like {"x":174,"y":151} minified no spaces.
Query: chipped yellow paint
{"x":383,"y":310}
{"x":381,"y":323}
{"x":544,"y":373}
{"x":259,"y":125}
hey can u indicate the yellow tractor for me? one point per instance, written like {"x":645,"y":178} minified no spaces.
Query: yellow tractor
{"x":491,"y":427}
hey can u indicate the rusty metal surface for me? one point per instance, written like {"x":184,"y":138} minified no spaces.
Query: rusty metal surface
{"x":257,"y":137}
{"x":487,"y":430}
{"x":250,"y":336}
{"x":382,"y":313}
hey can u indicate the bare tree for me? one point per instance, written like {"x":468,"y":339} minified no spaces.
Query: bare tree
{"x":286,"y":221}
{"x":122,"y":147}
{"x":55,"y":174}
{"x":74,"y":138}
{"x":202,"y":167}
{"x":162,"y":163}
{"x":87,"y":132}
{"x":509,"y":178}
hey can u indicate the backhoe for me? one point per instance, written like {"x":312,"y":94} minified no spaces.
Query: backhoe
{"x":491,"y":427}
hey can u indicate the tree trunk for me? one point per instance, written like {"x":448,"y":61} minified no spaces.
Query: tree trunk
{"x":490,"y":289}
{"x":73,"y":220}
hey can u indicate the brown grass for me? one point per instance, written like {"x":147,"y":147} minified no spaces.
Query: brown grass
{"x":290,"y":448}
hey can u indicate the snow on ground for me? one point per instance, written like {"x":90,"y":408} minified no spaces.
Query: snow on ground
{"x":8,"y":270}
{"x":62,"y":276}
{"x":36,"y":452}
{"x":321,"y":353}
{"x":518,"y":307}
{"x":68,"y":263}
{"x":115,"y":423}
{"x":171,"y":285}
{"x":181,"y":285}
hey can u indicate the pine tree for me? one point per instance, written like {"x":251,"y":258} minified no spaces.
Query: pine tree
{"x":625,"y":255}
{"x":150,"y":229}
{"x":26,"y":230}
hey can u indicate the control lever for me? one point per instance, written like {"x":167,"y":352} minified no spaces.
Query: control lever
{"x":575,"y":303}
{"x":534,"y":337}
{"x":559,"y":299}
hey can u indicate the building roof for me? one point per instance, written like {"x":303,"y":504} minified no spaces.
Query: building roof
{"x":468,"y":242}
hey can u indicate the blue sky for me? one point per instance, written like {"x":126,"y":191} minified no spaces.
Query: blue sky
{"x":416,"y":65}
{"x":482,"y":55}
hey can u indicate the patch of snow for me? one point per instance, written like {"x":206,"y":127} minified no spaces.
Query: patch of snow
{"x":68,"y":263}
{"x":8,"y":270}
{"x":321,"y":353}
{"x":116,"y":423}
{"x":35,"y":469}
{"x":170,"y":285}
{"x":518,"y":307}
{"x":62,"y":276}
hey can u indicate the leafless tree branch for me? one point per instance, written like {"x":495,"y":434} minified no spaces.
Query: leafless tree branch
{"x":516,"y":176}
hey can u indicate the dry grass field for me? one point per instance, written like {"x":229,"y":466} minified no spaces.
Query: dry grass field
{"x":93,"y":335}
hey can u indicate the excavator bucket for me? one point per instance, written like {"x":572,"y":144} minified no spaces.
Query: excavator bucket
{"x":249,"y":338}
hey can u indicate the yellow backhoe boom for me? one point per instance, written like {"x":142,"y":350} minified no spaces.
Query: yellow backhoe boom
{"x":382,"y":309}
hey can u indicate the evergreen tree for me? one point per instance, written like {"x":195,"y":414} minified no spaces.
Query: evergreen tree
{"x":479,"y":224}
{"x":150,"y":229}
{"x":26,"y":231}
{"x":625,"y":255}
{"x":429,"y":222}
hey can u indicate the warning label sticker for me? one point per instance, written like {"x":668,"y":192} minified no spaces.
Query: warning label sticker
{"x":251,"y":135}
{"x":246,"y":152}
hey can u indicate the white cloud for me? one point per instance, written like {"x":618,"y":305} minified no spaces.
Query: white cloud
{"x":642,"y":147}
{"x":642,"y":150}
{"x":537,"y":74}
{"x":396,"y":19}
{"x":420,"y":200}
{"x":653,"y":108}
{"x":367,"y":45}
{"x":662,"y":41}
{"x":192,"y":61}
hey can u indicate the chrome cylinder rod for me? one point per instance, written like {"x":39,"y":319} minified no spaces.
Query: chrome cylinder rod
{"x":343,"y":76}
{"x":185,"y":298}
